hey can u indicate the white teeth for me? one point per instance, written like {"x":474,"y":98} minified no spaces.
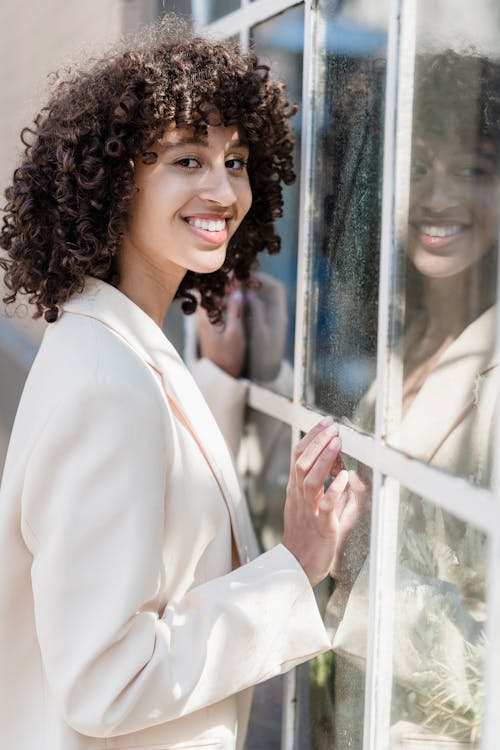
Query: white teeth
{"x":209,"y":225}
{"x":441,"y":231}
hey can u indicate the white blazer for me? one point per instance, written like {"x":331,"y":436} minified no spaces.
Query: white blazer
{"x":122,"y":623}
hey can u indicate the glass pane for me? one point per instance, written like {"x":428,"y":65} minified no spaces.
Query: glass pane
{"x":181,"y":7}
{"x":210,"y":10}
{"x":331,"y":687}
{"x":346,"y":185}
{"x":439,"y":629}
{"x":447,"y":384}
{"x":279,"y":43}
{"x":264,"y":728}
{"x":205,"y":11}
{"x":264,"y":465}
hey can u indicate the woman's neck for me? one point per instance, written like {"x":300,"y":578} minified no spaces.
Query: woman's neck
{"x":453,"y":303}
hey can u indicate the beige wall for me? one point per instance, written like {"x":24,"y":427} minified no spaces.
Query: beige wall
{"x":36,"y":38}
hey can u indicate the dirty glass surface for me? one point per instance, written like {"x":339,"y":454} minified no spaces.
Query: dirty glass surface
{"x":205,"y":11}
{"x":279,"y":43}
{"x":331,"y":687}
{"x":447,"y":235}
{"x":264,"y":465}
{"x":439,"y":629}
{"x":211,"y":10}
{"x":350,"y":71}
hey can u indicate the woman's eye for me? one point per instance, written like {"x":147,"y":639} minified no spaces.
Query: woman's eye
{"x":419,"y":169}
{"x":236,"y":163}
{"x":188,"y":162}
{"x":476,"y":171}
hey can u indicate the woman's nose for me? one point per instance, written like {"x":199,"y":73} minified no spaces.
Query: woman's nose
{"x":217,"y":187}
{"x":439,"y":191}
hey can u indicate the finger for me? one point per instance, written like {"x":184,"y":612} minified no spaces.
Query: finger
{"x":315,"y":446}
{"x":338,"y":466}
{"x":358,"y":486}
{"x":325,"y":423}
{"x":234,"y":311}
{"x":235,"y":301}
{"x":314,"y":481}
{"x":334,"y":492}
{"x":257,"y":316}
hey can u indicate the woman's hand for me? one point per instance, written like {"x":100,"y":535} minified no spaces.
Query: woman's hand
{"x":267,"y":323}
{"x":315,"y":531}
{"x":352,"y":517}
{"x":254,"y":330}
{"x":224,"y":344}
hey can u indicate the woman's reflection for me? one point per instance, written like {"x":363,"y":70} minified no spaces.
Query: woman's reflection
{"x":449,"y":392}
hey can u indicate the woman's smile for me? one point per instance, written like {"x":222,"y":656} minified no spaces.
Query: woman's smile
{"x":437,"y":236}
{"x":211,"y":227}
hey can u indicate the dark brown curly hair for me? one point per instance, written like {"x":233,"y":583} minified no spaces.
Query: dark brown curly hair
{"x":68,"y":203}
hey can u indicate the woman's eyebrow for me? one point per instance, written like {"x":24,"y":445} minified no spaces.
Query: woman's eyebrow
{"x":198,"y":141}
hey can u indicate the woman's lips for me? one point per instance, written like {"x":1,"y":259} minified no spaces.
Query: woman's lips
{"x":436,"y":236}
{"x":210,"y":228}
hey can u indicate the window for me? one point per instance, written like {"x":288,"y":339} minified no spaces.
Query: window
{"x":389,"y":275}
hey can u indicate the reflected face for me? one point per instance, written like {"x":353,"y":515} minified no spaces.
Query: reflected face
{"x":454,"y":194}
{"x":189,"y":203}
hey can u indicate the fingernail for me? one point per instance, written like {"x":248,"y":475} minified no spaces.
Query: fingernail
{"x":342,"y":477}
{"x":326,"y":421}
{"x":333,"y":444}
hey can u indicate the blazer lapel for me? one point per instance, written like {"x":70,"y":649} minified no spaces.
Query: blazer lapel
{"x":107,"y":304}
{"x":449,"y":393}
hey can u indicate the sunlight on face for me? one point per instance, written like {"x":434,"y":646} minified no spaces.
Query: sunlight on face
{"x":189,"y":203}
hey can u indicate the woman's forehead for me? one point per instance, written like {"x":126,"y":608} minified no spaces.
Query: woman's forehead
{"x":455,"y":137}
{"x":175,"y":135}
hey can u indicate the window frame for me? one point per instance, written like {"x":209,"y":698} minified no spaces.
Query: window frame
{"x":473,"y":504}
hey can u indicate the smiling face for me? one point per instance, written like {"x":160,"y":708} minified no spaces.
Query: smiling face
{"x":454,"y":194}
{"x":188,"y":204}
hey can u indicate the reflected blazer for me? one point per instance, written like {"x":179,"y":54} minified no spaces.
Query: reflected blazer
{"x":124,"y":622}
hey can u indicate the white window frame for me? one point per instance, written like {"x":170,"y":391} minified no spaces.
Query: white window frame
{"x":473,"y":504}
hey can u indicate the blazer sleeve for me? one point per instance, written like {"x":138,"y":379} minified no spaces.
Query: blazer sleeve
{"x":93,"y":514}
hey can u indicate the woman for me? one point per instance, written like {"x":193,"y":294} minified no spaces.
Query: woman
{"x":131,"y":611}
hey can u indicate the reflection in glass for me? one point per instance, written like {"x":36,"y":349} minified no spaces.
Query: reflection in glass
{"x":181,"y":7}
{"x":347,"y":164}
{"x":331,"y":687}
{"x":439,"y":640}
{"x":206,"y":11}
{"x":279,"y":43}
{"x":264,"y":465}
{"x":449,"y":249}
{"x":264,"y":728}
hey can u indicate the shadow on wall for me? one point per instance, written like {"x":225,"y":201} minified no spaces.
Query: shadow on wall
{"x":17,"y":353}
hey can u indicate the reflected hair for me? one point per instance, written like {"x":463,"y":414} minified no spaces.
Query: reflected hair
{"x":69,"y":200}
{"x":462,"y":89}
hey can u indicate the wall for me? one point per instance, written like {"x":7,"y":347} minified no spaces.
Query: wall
{"x":35,"y":39}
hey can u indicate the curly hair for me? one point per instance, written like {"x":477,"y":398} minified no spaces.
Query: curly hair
{"x":461,"y":89}
{"x":69,"y":199}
